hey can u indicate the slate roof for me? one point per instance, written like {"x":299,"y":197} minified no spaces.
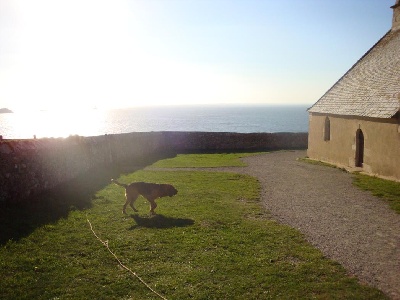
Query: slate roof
{"x":371,"y":88}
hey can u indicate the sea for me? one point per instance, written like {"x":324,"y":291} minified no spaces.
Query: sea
{"x":211,"y":118}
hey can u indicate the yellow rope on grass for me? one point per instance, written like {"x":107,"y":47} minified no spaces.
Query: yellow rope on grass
{"x":105,"y":244}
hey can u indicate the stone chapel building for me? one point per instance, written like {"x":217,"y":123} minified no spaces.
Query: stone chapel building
{"x":357,"y":122}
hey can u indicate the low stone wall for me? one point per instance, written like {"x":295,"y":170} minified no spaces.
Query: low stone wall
{"x":29,"y":167}
{"x":228,"y":141}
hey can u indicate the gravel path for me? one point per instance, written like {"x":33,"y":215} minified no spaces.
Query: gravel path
{"x":347,"y":224}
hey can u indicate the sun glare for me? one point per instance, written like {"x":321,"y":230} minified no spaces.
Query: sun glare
{"x":42,"y":124}
{"x":87,"y":54}
{"x":73,"y":55}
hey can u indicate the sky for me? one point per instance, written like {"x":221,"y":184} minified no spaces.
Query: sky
{"x":68,"y":54}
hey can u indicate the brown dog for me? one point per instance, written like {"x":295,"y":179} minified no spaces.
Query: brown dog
{"x":150,"y":191}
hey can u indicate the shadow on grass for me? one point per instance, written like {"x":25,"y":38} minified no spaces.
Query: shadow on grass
{"x":18,"y":220}
{"x":160,"y":222}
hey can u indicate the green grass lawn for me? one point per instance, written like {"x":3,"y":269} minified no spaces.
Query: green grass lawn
{"x":385,"y":189}
{"x":203,"y":160}
{"x":211,"y":241}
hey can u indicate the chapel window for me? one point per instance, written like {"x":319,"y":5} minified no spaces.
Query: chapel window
{"x":327,"y":129}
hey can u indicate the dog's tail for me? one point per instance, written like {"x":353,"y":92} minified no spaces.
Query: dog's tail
{"x":120,"y":184}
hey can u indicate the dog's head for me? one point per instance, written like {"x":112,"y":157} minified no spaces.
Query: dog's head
{"x":170,"y":190}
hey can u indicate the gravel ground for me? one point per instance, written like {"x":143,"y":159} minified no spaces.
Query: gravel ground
{"x":347,"y":224}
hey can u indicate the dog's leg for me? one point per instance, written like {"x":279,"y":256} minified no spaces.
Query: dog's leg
{"x":132,"y":200}
{"x":130,"y":196}
{"x":153,"y":206}
{"x":126,"y":204}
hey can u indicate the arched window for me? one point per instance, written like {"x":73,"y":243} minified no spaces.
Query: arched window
{"x":359,"y":148}
{"x":327,"y":129}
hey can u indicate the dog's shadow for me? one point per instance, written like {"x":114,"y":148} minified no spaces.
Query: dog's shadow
{"x":160,"y":222}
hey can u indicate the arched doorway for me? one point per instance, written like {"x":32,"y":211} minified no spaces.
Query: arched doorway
{"x":359,"y":148}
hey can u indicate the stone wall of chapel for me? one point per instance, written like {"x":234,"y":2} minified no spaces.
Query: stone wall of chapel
{"x":381,"y":143}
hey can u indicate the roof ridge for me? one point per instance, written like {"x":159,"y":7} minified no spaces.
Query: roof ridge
{"x":352,"y":67}
{"x":348,"y":83}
